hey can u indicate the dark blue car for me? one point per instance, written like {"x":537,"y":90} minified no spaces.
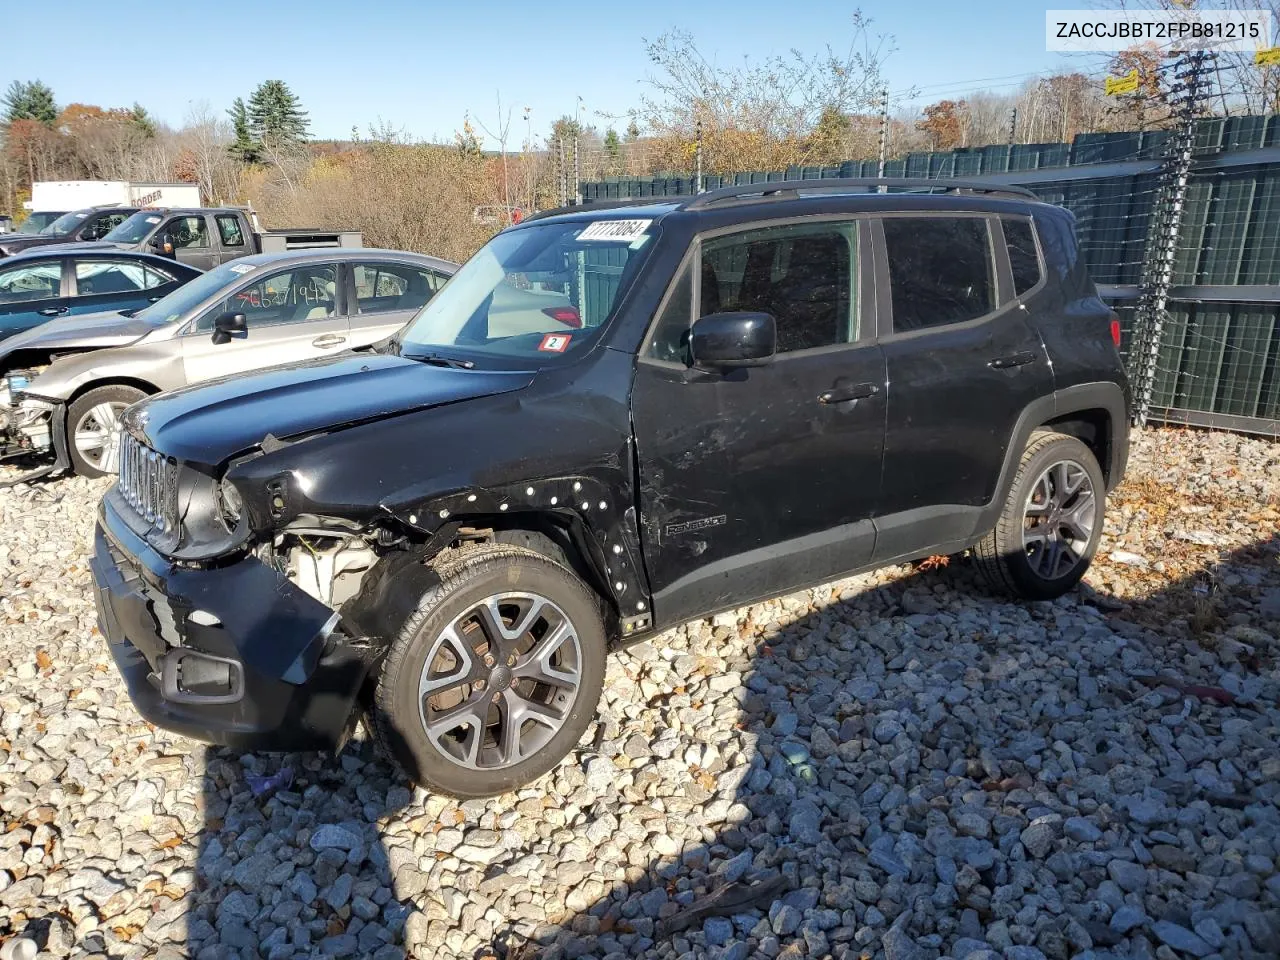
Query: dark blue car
{"x":37,"y":287}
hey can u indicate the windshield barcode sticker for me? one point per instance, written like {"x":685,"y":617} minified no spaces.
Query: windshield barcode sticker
{"x":621,"y":231}
{"x":241,"y":267}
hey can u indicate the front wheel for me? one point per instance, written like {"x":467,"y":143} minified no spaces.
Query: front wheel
{"x":93,"y":429}
{"x":1049,"y":529}
{"x":494,"y":677}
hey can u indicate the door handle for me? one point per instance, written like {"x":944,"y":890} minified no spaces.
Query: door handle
{"x":843,"y":394}
{"x":328,"y":340}
{"x":1019,"y":359}
{"x":52,"y":311}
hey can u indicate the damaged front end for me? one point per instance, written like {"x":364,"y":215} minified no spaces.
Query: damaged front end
{"x":27,"y":422}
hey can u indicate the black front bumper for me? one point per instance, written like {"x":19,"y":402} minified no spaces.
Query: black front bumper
{"x":284,"y":676}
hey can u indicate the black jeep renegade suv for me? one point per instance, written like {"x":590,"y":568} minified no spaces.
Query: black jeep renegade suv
{"x":611,"y":420}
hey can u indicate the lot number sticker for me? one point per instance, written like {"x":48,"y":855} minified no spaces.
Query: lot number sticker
{"x":555,"y":342}
{"x":622,"y":231}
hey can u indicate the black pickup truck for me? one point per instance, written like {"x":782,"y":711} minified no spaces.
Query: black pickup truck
{"x":205,"y":237}
{"x":91,"y":223}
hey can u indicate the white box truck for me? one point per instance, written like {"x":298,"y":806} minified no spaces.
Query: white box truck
{"x":62,"y":196}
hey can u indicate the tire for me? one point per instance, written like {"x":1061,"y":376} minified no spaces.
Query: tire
{"x":446,"y":627}
{"x":84,"y":420}
{"x":1037,"y":552}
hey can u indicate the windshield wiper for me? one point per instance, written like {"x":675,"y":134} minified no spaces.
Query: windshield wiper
{"x":440,"y":360}
{"x":129,"y":314}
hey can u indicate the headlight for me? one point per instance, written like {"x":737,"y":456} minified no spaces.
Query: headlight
{"x":230,"y":505}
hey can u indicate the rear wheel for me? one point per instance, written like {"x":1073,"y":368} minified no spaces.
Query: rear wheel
{"x":496,"y":675}
{"x":1049,"y":529}
{"x":93,"y":424}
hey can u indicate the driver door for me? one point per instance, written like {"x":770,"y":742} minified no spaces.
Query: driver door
{"x":757,"y":480}
{"x":291,"y":316}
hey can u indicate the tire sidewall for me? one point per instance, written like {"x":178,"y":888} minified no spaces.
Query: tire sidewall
{"x":396,"y":701}
{"x":116,"y":393}
{"x":1030,"y":584}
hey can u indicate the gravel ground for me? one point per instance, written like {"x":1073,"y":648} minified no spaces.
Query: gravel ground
{"x":910,"y":767}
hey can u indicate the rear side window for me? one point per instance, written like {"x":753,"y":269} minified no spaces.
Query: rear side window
{"x":229,"y":230}
{"x":939,"y":270}
{"x":96,"y":277}
{"x":1024,"y":260}
{"x":36,"y":281}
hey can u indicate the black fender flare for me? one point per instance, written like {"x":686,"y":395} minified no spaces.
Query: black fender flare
{"x":1104,"y":395}
{"x":601,"y":521}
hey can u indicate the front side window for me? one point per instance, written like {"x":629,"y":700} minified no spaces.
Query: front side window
{"x":114,"y":276}
{"x":32,"y":281}
{"x":1024,"y":259}
{"x":188,"y":232}
{"x":383,"y":287}
{"x":229,"y":230}
{"x":303,"y":293}
{"x":533,"y":294}
{"x":940,"y":270}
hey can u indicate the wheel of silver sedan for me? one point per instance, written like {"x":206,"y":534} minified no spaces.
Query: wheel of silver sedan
{"x":96,"y":436}
{"x":1059,"y":518}
{"x":500,"y":680}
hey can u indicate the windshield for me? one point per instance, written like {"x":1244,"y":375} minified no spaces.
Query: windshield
{"x":535,"y":293}
{"x":135,"y":228}
{"x":185,"y":298}
{"x":36,"y":222}
{"x":64,"y":224}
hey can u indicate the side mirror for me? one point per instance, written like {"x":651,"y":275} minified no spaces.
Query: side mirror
{"x":229,"y":325}
{"x":737,"y":339}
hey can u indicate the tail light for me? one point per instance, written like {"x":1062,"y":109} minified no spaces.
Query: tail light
{"x":1115,"y":329}
{"x":569,"y":316}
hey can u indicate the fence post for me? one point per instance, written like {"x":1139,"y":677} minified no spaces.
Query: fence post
{"x":1161,"y":253}
{"x":560,"y":173}
{"x":577,"y":173}
{"x":884,"y":131}
{"x":697,"y":160}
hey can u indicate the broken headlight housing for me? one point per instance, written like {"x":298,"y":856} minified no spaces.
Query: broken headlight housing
{"x":230,"y":504}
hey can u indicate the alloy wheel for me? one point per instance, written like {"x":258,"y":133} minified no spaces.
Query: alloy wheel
{"x":97,"y":436}
{"x":500,"y":681}
{"x":1059,"y":519}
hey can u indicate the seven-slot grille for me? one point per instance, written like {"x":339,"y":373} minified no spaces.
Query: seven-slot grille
{"x":148,"y":482}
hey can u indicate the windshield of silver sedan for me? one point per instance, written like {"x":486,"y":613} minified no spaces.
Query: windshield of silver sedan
{"x":534,"y":293}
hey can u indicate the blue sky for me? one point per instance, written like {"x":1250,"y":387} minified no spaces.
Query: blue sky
{"x":420,"y":66}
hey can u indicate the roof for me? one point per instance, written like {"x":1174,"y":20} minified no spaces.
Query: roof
{"x":878,"y":191}
{"x":355,"y":254}
{"x":59,"y":251}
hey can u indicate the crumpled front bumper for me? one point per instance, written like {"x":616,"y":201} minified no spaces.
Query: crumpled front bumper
{"x":235,"y":655}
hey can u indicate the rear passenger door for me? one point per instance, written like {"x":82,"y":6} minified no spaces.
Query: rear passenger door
{"x":963,"y":362}
{"x":191,"y":241}
{"x":111,"y":284}
{"x":231,"y":239}
{"x":386,"y":295}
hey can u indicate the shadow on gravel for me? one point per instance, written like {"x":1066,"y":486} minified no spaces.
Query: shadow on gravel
{"x":863,"y":806}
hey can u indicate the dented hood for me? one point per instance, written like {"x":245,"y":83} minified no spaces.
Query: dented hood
{"x":210,"y":422}
{"x":83,"y":331}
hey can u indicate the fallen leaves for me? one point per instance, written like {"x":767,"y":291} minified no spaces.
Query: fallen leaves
{"x":43,"y":660}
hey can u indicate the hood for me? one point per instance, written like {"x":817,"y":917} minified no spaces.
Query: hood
{"x":69,"y":244}
{"x":21,"y":243}
{"x":86,"y":331}
{"x":210,"y":422}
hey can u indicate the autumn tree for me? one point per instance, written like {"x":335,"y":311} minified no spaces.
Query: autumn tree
{"x":1149,"y":105}
{"x":942,"y":124}
{"x":761,"y":114}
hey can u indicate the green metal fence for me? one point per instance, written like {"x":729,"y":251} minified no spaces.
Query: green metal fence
{"x":1219,"y":363}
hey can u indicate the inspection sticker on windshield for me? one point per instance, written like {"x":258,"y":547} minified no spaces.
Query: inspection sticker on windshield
{"x":153,"y":219}
{"x":555,"y":342}
{"x":623,"y":231}
{"x":241,"y":267}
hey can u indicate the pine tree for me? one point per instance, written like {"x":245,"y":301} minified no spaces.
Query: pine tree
{"x":139,"y":117}
{"x":29,"y":101}
{"x":244,"y":148}
{"x":275,"y":115}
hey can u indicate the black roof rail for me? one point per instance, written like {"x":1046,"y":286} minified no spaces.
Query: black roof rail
{"x":604,"y":203}
{"x":788,"y":189}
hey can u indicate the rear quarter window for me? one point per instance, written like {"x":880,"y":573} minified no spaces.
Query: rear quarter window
{"x":1024,"y":257}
